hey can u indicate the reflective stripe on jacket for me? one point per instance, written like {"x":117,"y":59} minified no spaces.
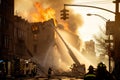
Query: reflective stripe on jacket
{"x":90,"y":75}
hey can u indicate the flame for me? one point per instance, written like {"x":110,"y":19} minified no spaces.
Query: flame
{"x":40,"y":14}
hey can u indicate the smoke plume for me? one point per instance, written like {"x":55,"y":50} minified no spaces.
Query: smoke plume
{"x":23,"y":8}
{"x":74,"y":21}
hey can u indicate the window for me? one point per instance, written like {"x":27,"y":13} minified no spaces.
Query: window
{"x":35,"y":36}
{"x":4,"y":21}
{"x":35,"y":29}
{"x":35,"y":48}
{"x":0,"y":41}
{"x":0,"y":23}
{"x":0,"y":1}
{"x":6,"y":41}
{"x":17,"y":32}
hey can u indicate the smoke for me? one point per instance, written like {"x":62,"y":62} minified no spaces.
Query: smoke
{"x":74,"y":21}
{"x":23,"y":8}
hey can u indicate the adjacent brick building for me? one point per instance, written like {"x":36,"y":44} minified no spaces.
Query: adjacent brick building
{"x":6,"y":28}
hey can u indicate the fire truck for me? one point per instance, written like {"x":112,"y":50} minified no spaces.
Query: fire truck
{"x":77,"y":70}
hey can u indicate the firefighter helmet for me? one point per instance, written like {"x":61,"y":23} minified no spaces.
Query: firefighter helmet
{"x":101,"y":65}
{"x":90,"y":67}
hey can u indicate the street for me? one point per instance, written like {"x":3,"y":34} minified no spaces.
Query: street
{"x":45,"y":78}
{"x":51,"y":79}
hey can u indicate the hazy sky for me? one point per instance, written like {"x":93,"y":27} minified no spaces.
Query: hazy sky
{"x":92,"y":23}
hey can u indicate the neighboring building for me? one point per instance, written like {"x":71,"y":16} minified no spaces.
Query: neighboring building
{"x":6,"y":28}
{"x":89,"y":47}
{"x":6,"y":36}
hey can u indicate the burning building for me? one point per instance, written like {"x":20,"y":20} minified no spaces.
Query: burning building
{"x":45,"y":45}
{"x":20,"y":37}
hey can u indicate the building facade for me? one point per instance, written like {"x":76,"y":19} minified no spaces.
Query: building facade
{"x":6,"y":27}
{"x":89,"y":48}
{"x":6,"y":35}
{"x":20,"y":37}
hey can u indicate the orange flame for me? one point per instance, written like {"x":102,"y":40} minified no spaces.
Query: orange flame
{"x":40,"y":14}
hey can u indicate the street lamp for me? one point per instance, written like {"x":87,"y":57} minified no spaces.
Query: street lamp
{"x":98,"y":16}
{"x":109,"y":41}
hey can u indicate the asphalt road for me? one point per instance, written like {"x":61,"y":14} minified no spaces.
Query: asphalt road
{"x":50,"y":79}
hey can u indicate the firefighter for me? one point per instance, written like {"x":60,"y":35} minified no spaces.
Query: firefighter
{"x":91,"y":74}
{"x":102,"y":73}
{"x":49,"y":72}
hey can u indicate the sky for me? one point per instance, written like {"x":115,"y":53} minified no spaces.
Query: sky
{"x":92,"y":24}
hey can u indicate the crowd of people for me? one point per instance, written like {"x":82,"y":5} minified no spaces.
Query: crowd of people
{"x":100,"y":73}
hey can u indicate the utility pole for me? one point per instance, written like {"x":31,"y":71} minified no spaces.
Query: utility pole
{"x":116,"y":37}
{"x":117,"y":29}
